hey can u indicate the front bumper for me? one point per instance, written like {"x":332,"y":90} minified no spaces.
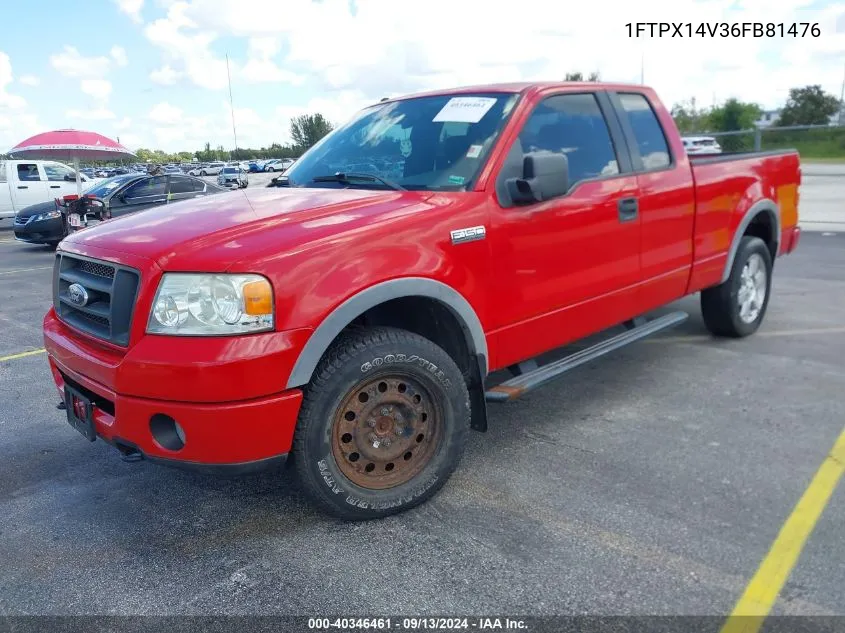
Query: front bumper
{"x":40,"y":232}
{"x":227,"y":422}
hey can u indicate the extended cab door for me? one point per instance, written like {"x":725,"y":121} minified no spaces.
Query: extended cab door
{"x":61,"y":179}
{"x":569,"y":266}
{"x":28,"y":184}
{"x":666,"y":200}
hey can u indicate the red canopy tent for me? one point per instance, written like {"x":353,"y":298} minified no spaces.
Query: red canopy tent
{"x":73,"y":145}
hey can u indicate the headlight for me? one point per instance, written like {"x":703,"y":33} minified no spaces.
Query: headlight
{"x":189,"y":304}
{"x":47,"y":216}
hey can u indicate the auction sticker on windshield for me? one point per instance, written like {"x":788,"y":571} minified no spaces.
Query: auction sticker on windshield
{"x":464,"y":110}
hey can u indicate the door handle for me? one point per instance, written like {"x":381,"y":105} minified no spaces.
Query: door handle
{"x":55,"y":187}
{"x":628,"y":209}
{"x":23,"y":186}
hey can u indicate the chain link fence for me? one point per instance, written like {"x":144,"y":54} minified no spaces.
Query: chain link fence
{"x":811,"y":141}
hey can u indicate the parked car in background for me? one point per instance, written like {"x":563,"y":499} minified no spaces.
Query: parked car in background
{"x":233,"y":176}
{"x":128,"y":193}
{"x":255,"y":166}
{"x":212,"y":169}
{"x":27,"y":182}
{"x":172,"y":169}
{"x":273,"y":164}
{"x":701,"y":145}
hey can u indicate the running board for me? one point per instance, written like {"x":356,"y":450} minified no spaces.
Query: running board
{"x":522,"y":384}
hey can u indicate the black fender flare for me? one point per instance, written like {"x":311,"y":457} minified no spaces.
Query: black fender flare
{"x":761,"y":206}
{"x":377,"y":294}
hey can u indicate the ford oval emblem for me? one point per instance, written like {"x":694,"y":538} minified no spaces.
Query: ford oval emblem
{"x":77,"y":294}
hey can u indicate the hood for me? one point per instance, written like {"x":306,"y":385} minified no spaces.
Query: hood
{"x":213,"y":232}
{"x":35,"y":209}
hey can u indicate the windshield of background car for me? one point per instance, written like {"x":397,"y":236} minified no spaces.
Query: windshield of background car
{"x":434,"y":143}
{"x":103,"y":188}
{"x":230,"y":170}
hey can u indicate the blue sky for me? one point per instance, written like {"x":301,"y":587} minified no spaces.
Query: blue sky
{"x":153,"y":71}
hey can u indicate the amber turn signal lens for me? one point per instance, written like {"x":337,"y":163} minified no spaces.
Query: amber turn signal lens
{"x":258,"y":298}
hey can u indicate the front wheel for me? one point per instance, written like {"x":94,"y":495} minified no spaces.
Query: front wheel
{"x":270,"y":169}
{"x":203,"y":173}
{"x":736,"y":308}
{"x":382,"y":426}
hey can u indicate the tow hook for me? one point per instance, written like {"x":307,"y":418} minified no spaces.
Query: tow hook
{"x":130,"y":454}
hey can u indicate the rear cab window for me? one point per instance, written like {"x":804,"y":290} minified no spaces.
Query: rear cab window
{"x":651,"y":144}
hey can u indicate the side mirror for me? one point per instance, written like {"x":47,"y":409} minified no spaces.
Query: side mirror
{"x":545,"y":175}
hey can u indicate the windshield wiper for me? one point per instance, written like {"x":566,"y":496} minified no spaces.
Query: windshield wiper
{"x":349,"y":176}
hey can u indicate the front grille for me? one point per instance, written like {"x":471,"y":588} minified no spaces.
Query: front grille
{"x":20,"y":221}
{"x":104,"y":308}
{"x":96,"y":268}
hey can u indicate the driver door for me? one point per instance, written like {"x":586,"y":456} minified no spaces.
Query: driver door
{"x":143,"y":194}
{"x":569,"y":266}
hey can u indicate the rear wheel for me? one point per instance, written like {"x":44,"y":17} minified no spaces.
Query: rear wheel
{"x":203,"y":173}
{"x":382,"y":426}
{"x":737,"y":307}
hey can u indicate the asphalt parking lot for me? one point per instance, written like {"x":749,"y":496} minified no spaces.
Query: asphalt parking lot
{"x":651,"y":482}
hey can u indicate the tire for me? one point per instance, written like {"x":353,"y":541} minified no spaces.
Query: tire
{"x":388,"y":408}
{"x":745,"y":291}
{"x":270,"y":169}
{"x":203,"y":173}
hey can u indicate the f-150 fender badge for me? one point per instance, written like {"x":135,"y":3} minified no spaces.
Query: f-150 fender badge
{"x":471,"y":234}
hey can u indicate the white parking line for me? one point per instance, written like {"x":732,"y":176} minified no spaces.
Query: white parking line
{"x":24,"y":270}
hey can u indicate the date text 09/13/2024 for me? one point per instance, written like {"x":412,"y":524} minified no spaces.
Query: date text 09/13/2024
{"x":723,"y":29}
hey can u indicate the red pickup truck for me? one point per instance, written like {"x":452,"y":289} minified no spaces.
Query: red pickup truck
{"x":351,"y":317}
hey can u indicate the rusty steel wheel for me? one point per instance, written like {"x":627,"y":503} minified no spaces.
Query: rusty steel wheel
{"x":383,"y":424}
{"x":385,"y":431}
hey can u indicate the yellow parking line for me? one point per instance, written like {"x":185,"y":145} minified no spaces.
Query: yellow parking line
{"x":22,"y":354}
{"x":760,"y":594}
{"x":705,"y":337}
{"x":23,"y":270}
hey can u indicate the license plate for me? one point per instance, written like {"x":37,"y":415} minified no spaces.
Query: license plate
{"x":80,"y":413}
{"x":73,"y":219}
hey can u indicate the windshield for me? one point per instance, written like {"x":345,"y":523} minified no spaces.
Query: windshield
{"x":434,"y":143}
{"x":104,"y":187}
{"x":230,"y":170}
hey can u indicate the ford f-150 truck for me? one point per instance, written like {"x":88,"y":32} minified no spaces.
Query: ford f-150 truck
{"x":351,"y":318}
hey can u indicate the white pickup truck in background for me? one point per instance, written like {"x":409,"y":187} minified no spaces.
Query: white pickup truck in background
{"x":27,"y":182}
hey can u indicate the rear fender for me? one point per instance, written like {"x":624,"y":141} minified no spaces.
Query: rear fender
{"x":766,"y":206}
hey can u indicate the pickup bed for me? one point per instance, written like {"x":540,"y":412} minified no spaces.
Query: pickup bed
{"x":352,"y":317}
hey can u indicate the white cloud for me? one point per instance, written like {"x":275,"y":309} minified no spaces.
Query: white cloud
{"x":387,"y":47}
{"x":98,"y":114}
{"x":165,"y":76}
{"x":71,"y":63}
{"x":124,"y":124}
{"x":132,"y":8}
{"x":165,"y":113}
{"x":261,"y":68}
{"x":118,"y":54}
{"x":191,"y":50}
{"x":8,"y":100}
{"x":29,"y":80}
{"x":100,"y":89}
{"x":17,"y":126}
